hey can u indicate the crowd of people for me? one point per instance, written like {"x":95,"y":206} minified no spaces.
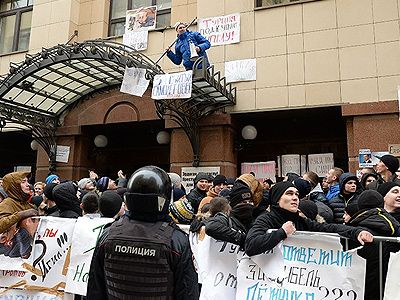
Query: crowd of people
{"x":148,"y":206}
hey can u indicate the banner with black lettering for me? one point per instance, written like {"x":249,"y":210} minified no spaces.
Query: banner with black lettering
{"x":314,"y":267}
{"x":86,"y":233}
{"x":172,"y":86}
{"x":50,"y":257}
{"x":218,"y":269}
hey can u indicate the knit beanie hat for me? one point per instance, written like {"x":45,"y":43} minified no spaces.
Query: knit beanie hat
{"x":308,"y":208}
{"x":102,"y":183}
{"x":51,"y":178}
{"x":175,"y":179}
{"x":200,"y":176}
{"x":370,"y":199}
{"x":109,"y":203}
{"x":37,"y":200}
{"x":391,"y":162}
{"x":238,"y":194}
{"x":303,"y":186}
{"x":178,"y":194}
{"x":292,"y":176}
{"x":48,"y":191}
{"x":276,"y":192}
{"x":82,"y":183}
{"x":181,"y":211}
{"x":177,"y":25}
{"x":224,"y":193}
{"x":219,"y":179}
{"x":384,"y":188}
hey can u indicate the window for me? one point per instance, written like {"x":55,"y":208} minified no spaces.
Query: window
{"x":266,"y":3}
{"x":15,"y":25}
{"x":119,"y":8}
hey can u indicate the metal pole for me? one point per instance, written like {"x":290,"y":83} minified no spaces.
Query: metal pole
{"x":166,"y":51}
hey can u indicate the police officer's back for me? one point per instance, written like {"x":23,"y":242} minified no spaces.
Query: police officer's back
{"x":143,"y":255}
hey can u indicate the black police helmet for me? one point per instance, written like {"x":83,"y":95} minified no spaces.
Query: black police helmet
{"x":148,"y":193}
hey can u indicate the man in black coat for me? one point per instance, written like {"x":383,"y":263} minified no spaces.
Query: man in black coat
{"x":284,"y":217}
{"x":199,"y":191}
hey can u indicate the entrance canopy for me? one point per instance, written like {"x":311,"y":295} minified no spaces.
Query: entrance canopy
{"x":39,"y":91}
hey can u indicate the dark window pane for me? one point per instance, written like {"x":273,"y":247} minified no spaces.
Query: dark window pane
{"x":140,"y":3}
{"x":163,"y":20}
{"x":25,"y":31}
{"x":7,"y":25}
{"x":117,"y":29}
{"x":118,"y":8}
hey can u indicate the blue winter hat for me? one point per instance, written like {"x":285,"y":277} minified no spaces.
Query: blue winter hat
{"x":102,"y":183}
{"x":51,"y":178}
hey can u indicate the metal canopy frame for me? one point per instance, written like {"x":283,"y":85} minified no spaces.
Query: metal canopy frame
{"x":39,"y":91}
{"x":210,"y":93}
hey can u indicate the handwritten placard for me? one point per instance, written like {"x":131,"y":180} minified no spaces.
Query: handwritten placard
{"x":290,"y":163}
{"x":262,"y":170}
{"x":240,"y":70}
{"x":221,"y":30}
{"x":172,"y":86}
{"x":136,"y":39}
{"x":134,"y":82}
{"x":320,"y":163}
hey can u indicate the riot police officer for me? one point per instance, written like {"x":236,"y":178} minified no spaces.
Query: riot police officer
{"x":144,"y":255}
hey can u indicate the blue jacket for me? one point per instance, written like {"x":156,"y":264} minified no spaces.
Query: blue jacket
{"x":182,"y":48}
{"x":333,"y":191}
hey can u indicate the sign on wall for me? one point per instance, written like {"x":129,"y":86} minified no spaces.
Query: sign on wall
{"x":240,"y":70}
{"x":134,"y":82}
{"x":221,"y":30}
{"x":136,"y":39}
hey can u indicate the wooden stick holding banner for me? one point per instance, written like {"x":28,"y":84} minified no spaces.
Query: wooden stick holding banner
{"x":173,"y":43}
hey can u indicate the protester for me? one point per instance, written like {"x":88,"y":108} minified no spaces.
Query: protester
{"x":51,"y":208}
{"x":373,"y":217}
{"x":386,"y":169}
{"x":164,"y":264}
{"x":111,"y":205}
{"x":368,"y":178}
{"x":199,"y":191}
{"x":218,"y":184}
{"x":52,"y":178}
{"x":15,"y":207}
{"x":182,"y":46}
{"x":284,"y":217}
{"x":332,"y":179}
{"x":181,"y":211}
{"x":391,"y":193}
{"x":65,"y":196}
{"x":90,"y":205}
{"x":39,"y":187}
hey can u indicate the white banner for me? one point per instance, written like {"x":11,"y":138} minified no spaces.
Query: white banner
{"x":14,"y":294}
{"x":320,"y":163}
{"x":172,"y":86}
{"x":218,"y":269}
{"x":221,"y":30}
{"x":86,"y":233}
{"x":50,"y":255}
{"x":392,"y":286}
{"x":134,"y":82}
{"x":314,"y":268}
{"x":240,"y":70}
{"x":136,"y":39}
{"x":262,"y":170}
{"x":189,"y":173}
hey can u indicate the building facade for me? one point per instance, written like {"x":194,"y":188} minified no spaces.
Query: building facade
{"x":327,"y":78}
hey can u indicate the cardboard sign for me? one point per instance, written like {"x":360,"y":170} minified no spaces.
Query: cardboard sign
{"x":136,"y":39}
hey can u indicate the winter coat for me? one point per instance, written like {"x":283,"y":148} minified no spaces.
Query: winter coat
{"x":226,"y":228}
{"x":182,"y":48}
{"x":318,"y":197}
{"x":333,"y":191}
{"x":259,"y":240}
{"x":379,"y":223}
{"x":16,"y":201}
{"x":195,"y":196}
{"x":206,"y":200}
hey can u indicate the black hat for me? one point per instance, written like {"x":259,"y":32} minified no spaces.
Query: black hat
{"x":37,"y":200}
{"x":238,"y":194}
{"x":48,"y":191}
{"x":109,"y":203}
{"x":384,"y":188}
{"x":391,"y":162}
{"x":178,"y":194}
{"x":303,"y":186}
{"x":292,"y":176}
{"x":219,"y":179}
{"x":276,"y":192}
{"x":200,"y":176}
{"x":352,"y":208}
{"x":308,"y":208}
{"x":364,"y":178}
{"x":370,"y":199}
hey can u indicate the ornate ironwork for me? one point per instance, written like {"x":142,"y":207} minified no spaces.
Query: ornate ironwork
{"x":210,"y":93}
